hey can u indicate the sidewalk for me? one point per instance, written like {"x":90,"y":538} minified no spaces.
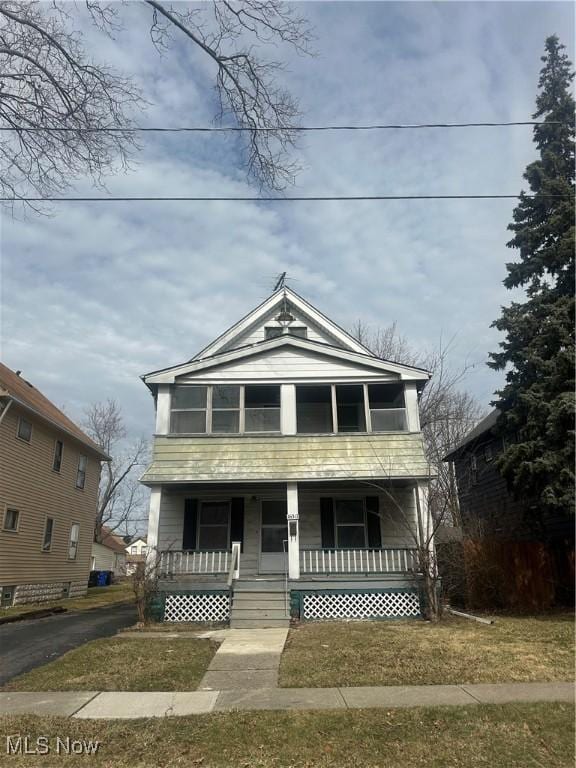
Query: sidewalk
{"x":129,"y":705}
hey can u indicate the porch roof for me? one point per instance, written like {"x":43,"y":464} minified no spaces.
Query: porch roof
{"x":222,"y":459}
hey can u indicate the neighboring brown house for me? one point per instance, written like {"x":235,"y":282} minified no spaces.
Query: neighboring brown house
{"x":109,"y":554}
{"x":49,"y":475}
{"x":529,"y":548}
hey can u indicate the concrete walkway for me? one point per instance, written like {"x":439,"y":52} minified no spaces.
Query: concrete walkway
{"x":124,"y":705}
{"x":246,"y":659}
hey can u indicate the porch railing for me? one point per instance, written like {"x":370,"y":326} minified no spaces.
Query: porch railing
{"x":176,"y":562}
{"x":358,"y":561}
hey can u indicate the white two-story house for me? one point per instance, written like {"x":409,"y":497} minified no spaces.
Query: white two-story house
{"x":287,"y":467}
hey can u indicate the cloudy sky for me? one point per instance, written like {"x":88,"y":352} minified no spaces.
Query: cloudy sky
{"x":97,"y":294}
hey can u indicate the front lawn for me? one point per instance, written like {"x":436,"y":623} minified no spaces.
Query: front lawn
{"x":515,"y":736}
{"x":123,"y":664}
{"x":96,"y":597}
{"x":522,"y":649}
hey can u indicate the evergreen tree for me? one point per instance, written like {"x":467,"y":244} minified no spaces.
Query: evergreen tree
{"x":537,"y":401}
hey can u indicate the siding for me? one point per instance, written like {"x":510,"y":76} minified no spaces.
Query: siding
{"x":285,"y":364}
{"x":256,"y":332}
{"x":28,"y":483}
{"x":393,"y":523}
{"x":108,"y":560}
{"x":298,"y":457}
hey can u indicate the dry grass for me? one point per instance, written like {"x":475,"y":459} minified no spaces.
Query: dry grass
{"x":415,"y":652}
{"x":95,"y":598}
{"x":123,"y":664}
{"x":440,"y":737}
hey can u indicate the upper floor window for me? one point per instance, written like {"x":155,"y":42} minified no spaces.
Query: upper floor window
{"x":350,"y":408}
{"x":225,"y":409}
{"x":133,"y":550}
{"x":298,"y":330}
{"x":272,"y":332}
{"x":11,"y":519}
{"x":81,"y":472}
{"x":73,"y":543}
{"x":57,"y":460}
{"x":189,"y":409}
{"x":314,"y":408}
{"x":48,"y":530}
{"x":24,"y":429}
{"x":387,"y":407}
{"x":261,"y":408}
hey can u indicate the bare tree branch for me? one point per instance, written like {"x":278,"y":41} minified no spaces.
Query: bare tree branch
{"x":120,"y":496}
{"x":48,"y":82}
{"x":245,"y":85}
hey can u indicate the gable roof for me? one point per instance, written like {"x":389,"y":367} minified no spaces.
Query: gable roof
{"x":111,"y":541}
{"x":276,"y":300}
{"x":483,"y":426}
{"x":16,"y":388}
{"x":168,"y":375}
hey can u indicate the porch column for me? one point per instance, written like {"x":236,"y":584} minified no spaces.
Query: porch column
{"x":424,"y":518}
{"x":292,"y":517}
{"x":154,"y":521}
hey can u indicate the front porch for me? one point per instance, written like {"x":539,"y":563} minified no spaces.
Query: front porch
{"x":343,"y":549}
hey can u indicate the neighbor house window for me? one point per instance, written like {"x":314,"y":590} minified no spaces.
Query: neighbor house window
{"x":24,"y":429}
{"x":48,"y":530}
{"x":73,"y":543}
{"x":133,"y":550}
{"x":350,"y":408}
{"x":58,"y":450}
{"x":226,"y":408}
{"x":11,"y":519}
{"x":350,"y":523}
{"x":387,"y":407}
{"x":314,"y":408}
{"x":81,"y":472}
{"x":189,"y":408}
{"x":213,"y":525}
{"x":261,"y":408}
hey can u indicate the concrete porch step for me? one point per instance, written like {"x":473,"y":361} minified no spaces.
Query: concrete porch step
{"x":259,"y":598}
{"x":258,"y":623}
{"x":259,"y":585}
{"x":257,"y":612}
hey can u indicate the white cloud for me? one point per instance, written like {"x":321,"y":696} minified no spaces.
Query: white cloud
{"x":98,"y":294}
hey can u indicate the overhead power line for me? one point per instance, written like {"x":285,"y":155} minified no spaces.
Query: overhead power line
{"x":255,"y":199}
{"x":270,"y":129}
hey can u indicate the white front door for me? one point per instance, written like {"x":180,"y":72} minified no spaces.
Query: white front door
{"x":273,"y":536}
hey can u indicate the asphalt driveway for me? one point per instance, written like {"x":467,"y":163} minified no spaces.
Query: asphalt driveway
{"x":28,"y":644}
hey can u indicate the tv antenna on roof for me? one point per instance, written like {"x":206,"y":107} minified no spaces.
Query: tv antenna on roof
{"x":280,"y":282}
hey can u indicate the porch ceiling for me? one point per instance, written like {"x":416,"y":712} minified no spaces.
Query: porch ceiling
{"x":272,"y":459}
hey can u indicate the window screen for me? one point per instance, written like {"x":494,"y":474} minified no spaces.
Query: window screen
{"x":314,"y":409}
{"x":350,"y":408}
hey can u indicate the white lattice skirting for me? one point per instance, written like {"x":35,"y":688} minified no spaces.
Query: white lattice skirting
{"x":197,"y":607}
{"x":361,"y":605}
